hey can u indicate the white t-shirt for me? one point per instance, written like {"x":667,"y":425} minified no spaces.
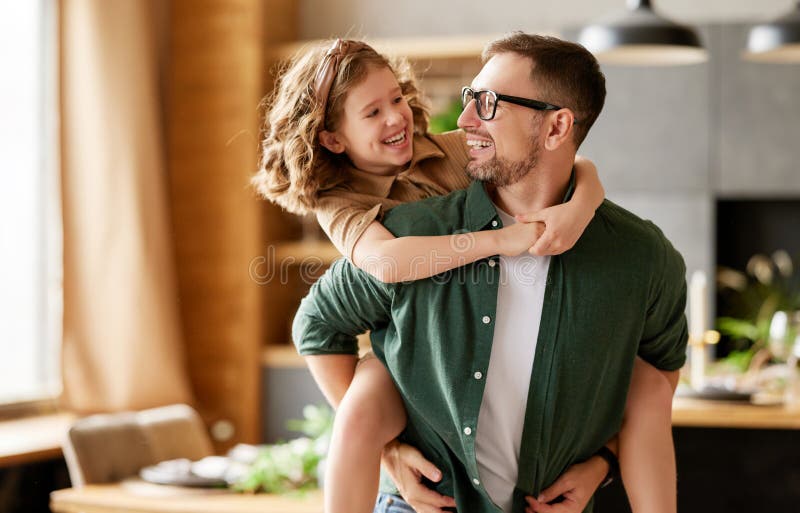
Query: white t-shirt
{"x":520,"y":300}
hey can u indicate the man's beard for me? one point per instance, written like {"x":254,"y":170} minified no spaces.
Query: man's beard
{"x":502,"y":172}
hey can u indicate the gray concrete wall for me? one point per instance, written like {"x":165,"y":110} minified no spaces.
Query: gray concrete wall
{"x":286,"y":392}
{"x":757,"y":131}
{"x":385,"y":18}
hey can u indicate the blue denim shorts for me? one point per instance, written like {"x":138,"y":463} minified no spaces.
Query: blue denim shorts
{"x":388,"y":503}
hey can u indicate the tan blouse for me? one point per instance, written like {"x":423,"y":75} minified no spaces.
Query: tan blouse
{"x":436,"y":168}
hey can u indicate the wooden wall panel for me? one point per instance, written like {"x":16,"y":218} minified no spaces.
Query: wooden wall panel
{"x":215,"y":82}
{"x":281,"y":296}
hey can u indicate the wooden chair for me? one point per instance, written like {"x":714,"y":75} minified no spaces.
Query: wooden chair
{"x":110,"y":447}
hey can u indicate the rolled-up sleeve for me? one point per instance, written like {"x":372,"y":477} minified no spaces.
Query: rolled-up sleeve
{"x":665,"y":334}
{"x":342,"y":304}
{"x":345,"y":220}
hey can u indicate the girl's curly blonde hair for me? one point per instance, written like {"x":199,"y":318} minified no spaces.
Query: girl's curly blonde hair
{"x":294,"y":168}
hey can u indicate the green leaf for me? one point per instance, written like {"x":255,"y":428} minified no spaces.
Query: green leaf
{"x":292,"y":466}
{"x":446,"y":120}
{"x":738,"y":328}
{"x":739,"y":360}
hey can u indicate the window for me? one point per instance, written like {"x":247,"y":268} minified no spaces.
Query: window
{"x":30,"y":224}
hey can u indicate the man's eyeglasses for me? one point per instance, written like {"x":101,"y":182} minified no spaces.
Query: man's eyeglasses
{"x":486,"y":102}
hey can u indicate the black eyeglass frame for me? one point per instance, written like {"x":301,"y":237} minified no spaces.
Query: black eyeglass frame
{"x":516,"y":100}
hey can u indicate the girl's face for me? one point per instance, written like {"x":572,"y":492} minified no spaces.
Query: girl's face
{"x":377,"y":125}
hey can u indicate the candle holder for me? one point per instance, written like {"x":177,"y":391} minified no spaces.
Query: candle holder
{"x":698,"y":357}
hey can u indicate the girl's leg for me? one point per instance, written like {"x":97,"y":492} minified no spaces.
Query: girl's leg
{"x":370,"y":415}
{"x":646,"y":451}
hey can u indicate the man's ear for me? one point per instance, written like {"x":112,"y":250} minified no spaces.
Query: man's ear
{"x":560,"y":130}
{"x":331,"y":141}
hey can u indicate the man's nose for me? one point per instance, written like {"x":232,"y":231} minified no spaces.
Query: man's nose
{"x":469,"y":116}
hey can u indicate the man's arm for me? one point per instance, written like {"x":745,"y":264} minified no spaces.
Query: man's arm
{"x":342,"y":304}
{"x":647,"y":454}
{"x":665,"y":332}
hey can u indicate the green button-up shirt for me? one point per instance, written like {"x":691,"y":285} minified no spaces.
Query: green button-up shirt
{"x":619,"y":292}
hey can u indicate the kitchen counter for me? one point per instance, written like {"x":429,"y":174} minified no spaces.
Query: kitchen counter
{"x":721,"y":414}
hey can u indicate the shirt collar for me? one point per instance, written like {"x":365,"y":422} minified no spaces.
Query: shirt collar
{"x":424,"y":148}
{"x":481,"y":210}
{"x":380,"y":185}
{"x":570,"y":187}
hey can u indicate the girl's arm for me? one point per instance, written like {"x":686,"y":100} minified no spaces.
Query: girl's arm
{"x":393,"y":259}
{"x":565,"y":223}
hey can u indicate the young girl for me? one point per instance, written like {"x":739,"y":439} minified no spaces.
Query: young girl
{"x":346,"y":138}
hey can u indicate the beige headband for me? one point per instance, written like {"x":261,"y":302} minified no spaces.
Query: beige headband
{"x":329,"y":67}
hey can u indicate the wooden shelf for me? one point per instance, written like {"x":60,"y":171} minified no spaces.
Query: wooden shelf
{"x":301,"y":252}
{"x":282,"y":357}
{"x":31,"y":439}
{"x":415,"y":48}
{"x":286,"y":357}
{"x":718,"y":414}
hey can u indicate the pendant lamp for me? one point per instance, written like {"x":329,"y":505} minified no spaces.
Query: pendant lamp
{"x":640,"y":37}
{"x":776,"y":41}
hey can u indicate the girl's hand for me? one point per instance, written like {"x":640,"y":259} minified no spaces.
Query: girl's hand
{"x":575,"y":486}
{"x":406,"y":466}
{"x":518,"y":238}
{"x":564,"y":224}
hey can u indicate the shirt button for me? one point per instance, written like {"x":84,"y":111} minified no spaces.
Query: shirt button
{"x":476,"y":482}
{"x":486,"y":319}
{"x":494,"y":224}
{"x":478,"y":375}
{"x":492,"y":263}
{"x":467,"y":431}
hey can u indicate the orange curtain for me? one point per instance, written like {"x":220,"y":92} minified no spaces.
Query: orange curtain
{"x":122,"y":344}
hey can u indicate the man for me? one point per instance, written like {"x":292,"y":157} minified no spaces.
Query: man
{"x":515,"y":370}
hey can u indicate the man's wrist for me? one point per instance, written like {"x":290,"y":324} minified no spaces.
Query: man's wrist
{"x":611,"y":461}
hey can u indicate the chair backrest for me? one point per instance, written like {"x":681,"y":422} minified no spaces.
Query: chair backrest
{"x":109,"y":447}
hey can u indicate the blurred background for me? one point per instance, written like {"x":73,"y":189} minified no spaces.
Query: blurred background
{"x":139,"y":269}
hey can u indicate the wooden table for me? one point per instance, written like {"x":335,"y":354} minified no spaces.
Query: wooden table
{"x":721,"y":414}
{"x":137,"y":496}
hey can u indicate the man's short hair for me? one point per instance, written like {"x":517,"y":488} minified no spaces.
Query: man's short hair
{"x":567,"y":74}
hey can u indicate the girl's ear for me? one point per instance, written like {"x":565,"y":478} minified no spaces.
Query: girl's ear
{"x":331,"y":141}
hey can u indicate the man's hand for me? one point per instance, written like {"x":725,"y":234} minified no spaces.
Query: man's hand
{"x":576,"y":486}
{"x":406,"y":466}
